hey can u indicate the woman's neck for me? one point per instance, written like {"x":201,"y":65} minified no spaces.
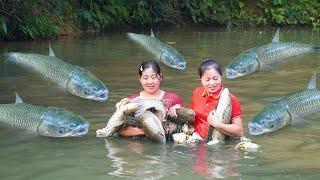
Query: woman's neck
{"x":157,"y":95}
{"x":217,"y":93}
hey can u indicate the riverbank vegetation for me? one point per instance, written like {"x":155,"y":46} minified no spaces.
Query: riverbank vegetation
{"x":34,"y":19}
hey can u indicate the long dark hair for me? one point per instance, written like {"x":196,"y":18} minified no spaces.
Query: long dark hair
{"x":208,"y":64}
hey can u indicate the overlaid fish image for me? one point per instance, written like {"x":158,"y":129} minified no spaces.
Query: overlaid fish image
{"x":287,"y":110}
{"x":41,"y":120}
{"x":263,"y":57}
{"x":161,"y":51}
{"x":76,"y":80}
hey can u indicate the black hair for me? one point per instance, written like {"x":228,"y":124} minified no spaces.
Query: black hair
{"x":149,"y":64}
{"x":208,"y":64}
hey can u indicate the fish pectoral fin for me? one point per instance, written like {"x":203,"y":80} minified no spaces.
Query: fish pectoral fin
{"x":54,"y":90}
{"x":22,"y":135}
{"x":299,"y":121}
{"x":268,"y":67}
{"x":312,"y":82}
{"x":171,"y":42}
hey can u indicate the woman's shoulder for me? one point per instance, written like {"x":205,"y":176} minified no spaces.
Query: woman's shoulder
{"x":132,"y":96}
{"x":170,"y":95}
{"x":198,"y":90}
{"x":172,"y":98}
{"x":234,"y":99}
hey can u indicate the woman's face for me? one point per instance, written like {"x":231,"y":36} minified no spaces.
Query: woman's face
{"x":211,"y":80}
{"x":150,"y":81}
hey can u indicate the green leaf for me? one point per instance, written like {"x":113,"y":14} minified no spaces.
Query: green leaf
{"x":241,"y":5}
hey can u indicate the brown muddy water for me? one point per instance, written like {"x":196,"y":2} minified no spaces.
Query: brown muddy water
{"x":290,"y":153}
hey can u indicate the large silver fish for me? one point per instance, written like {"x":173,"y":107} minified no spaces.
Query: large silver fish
{"x":151,"y":122}
{"x":44,"y":121}
{"x":265,"y":56}
{"x":76,"y":80}
{"x":222,"y":114}
{"x":161,"y":51}
{"x":287,"y":110}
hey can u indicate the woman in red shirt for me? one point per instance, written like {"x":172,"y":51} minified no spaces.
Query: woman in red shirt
{"x":205,"y":99}
{"x":150,"y":78}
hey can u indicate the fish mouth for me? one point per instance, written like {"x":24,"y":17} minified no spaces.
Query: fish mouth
{"x":81,"y":130}
{"x":181,"y":66}
{"x":231,"y":74}
{"x":101,"y":96}
{"x":177,"y":65}
{"x":256,"y":130}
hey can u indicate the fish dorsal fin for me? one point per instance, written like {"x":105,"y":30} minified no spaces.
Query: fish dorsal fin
{"x":313,"y":82}
{"x":18,"y":98}
{"x":276,"y":36}
{"x":152,"y":34}
{"x":51,"y":53}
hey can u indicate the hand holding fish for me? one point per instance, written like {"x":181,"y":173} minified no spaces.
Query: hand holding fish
{"x":127,"y":106}
{"x":211,"y":119}
{"x":122,"y":102}
{"x":172,"y":112}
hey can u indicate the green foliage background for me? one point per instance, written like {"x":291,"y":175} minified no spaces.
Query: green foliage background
{"x":33,"y":19}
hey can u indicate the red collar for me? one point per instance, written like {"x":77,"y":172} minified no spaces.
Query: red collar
{"x":215,"y":95}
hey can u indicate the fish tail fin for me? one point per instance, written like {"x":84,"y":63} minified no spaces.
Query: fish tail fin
{"x":10,"y":57}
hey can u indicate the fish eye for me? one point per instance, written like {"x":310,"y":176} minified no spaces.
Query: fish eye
{"x":271,"y":125}
{"x":86,"y":92}
{"x":60,"y":131}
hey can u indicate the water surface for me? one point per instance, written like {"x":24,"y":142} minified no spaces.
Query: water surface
{"x":290,"y":153}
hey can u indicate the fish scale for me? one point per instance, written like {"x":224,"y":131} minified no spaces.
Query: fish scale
{"x":301,"y":103}
{"x":286,"y":110}
{"x":74,"y":79}
{"x":161,"y":51}
{"x":22,"y":116}
{"x":221,"y":114}
{"x":42,"y":120}
{"x":153,"y":45}
{"x":272,"y":52}
{"x":50,"y":67}
{"x":265,"y":56}
{"x":152,"y":126}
